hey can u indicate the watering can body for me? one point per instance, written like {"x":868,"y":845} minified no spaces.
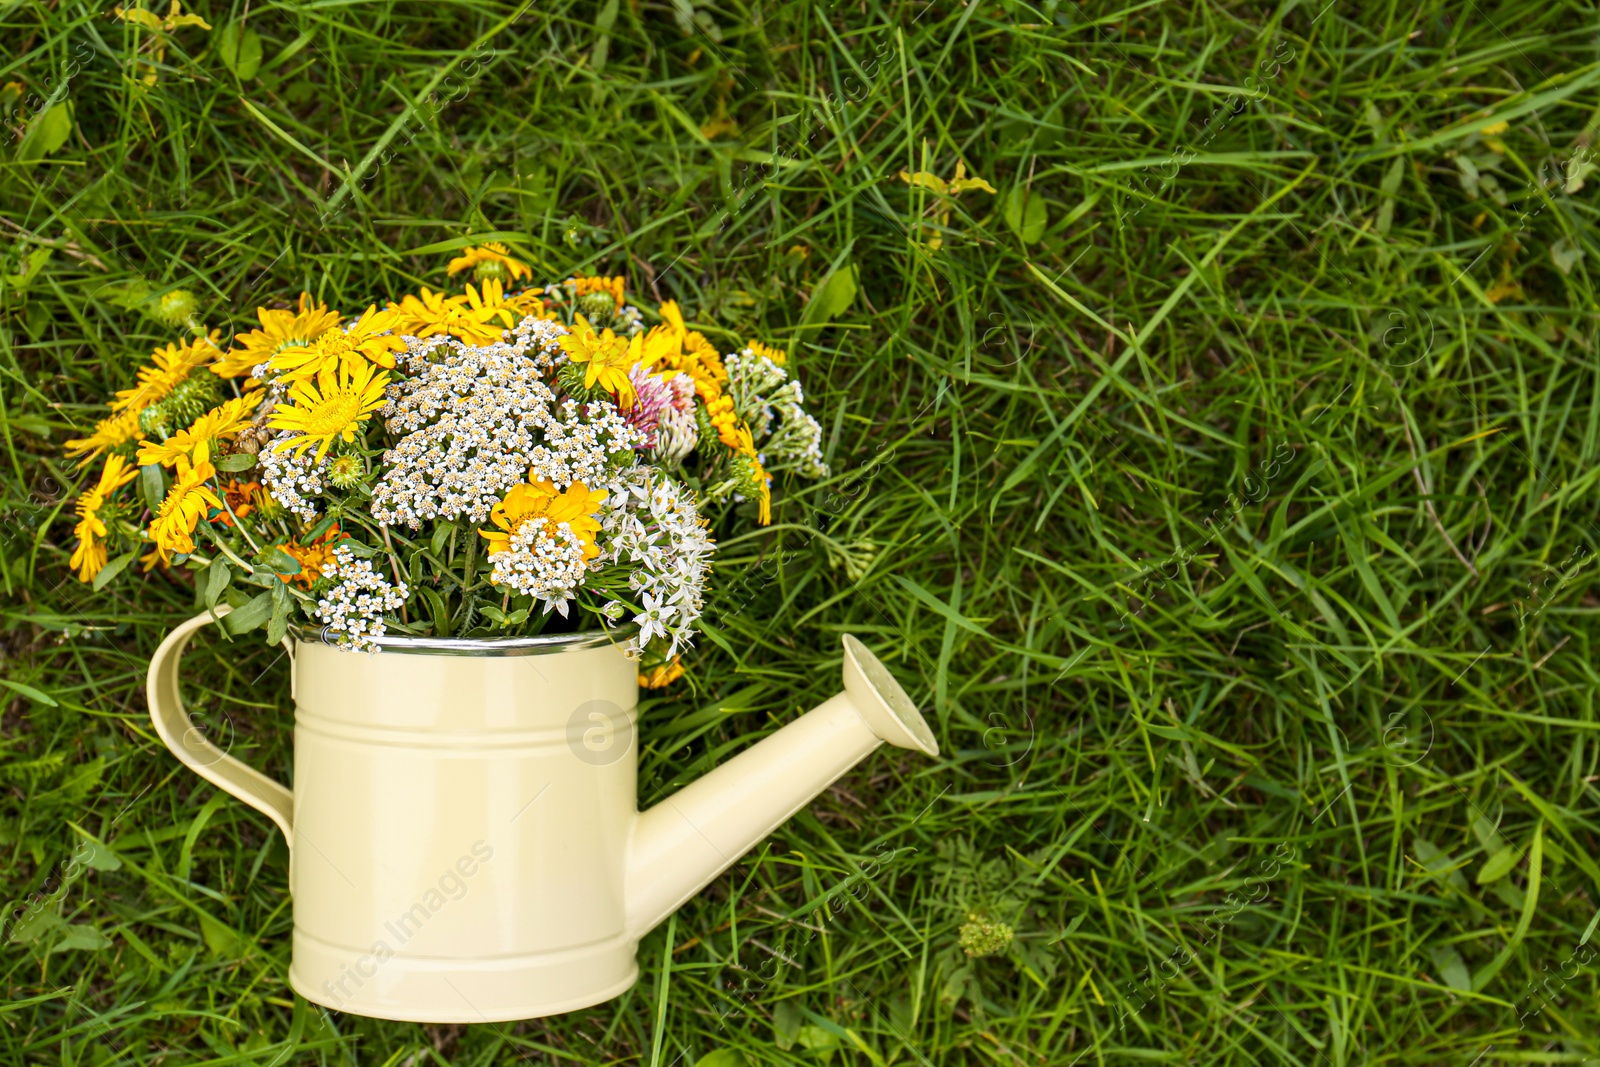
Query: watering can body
{"x":465,"y":840}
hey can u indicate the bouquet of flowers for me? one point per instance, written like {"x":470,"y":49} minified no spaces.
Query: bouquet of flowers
{"x":470,"y":464}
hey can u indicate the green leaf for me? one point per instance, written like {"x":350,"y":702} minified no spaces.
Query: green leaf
{"x":1497,"y":866}
{"x":282,"y":601}
{"x":100,"y":857}
{"x":319,"y":529}
{"x":723,"y":1057}
{"x":239,"y":48}
{"x":220,"y":938}
{"x":833,"y":296}
{"x":1026,"y":214}
{"x":1565,"y":255}
{"x":603,"y":22}
{"x":1387,"y":191}
{"x":277,"y":560}
{"x":82,"y":936}
{"x":816,"y":1039}
{"x":247,"y":618}
{"x":153,"y":484}
{"x":112,"y":569}
{"x":441,"y":537}
{"x":47,"y":132}
{"x":238,"y":461}
{"x":1447,"y":961}
{"x":30,"y":692}
{"x":218,"y":575}
{"x":436,"y":608}
{"x":787,"y":1018}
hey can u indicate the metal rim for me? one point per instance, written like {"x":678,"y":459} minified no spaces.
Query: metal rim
{"x":538,"y":645}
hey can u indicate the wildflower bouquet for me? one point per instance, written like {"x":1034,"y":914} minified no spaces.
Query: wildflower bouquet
{"x":454,"y":464}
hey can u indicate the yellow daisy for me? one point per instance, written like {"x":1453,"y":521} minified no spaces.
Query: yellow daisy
{"x":695,"y":356}
{"x":468,"y":317}
{"x":493,"y":303}
{"x":332,"y":406}
{"x":108,"y":433}
{"x":492,"y":260}
{"x":777,"y":355}
{"x":758,"y":474}
{"x":172,"y":365}
{"x":364,"y":342}
{"x":538,"y":501}
{"x":187,"y":501}
{"x":279,"y":330}
{"x":529,"y":302}
{"x":609,"y":358}
{"x":90,"y":555}
{"x":224,"y":420}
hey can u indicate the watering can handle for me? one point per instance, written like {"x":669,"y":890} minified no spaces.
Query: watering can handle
{"x":186,"y":741}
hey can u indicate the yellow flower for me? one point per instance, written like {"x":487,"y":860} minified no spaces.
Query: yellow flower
{"x":693,"y":354}
{"x":757,"y":473}
{"x":172,"y":365}
{"x":90,"y":555}
{"x":492,"y":304}
{"x":583,"y":285}
{"x":108,"y":433}
{"x":224,"y":420}
{"x":957,"y":185}
{"x":492,"y":260}
{"x":187,"y":501}
{"x":777,"y":355}
{"x":364,"y":342}
{"x":609,"y":358}
{"x":150,"y":21}
{"x":279,"y":330}
{"x":719,"y":410}
{"x":332,"y":406}
{"x":468,"y":316}
{"x":530,"y":302}
{"x":537,"y":501}
{"x":664,"y":674}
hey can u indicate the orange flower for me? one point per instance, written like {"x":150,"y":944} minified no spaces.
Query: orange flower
{"x":583,"y":285}
{"x":313,"y":558}
{"x":240,"y":499}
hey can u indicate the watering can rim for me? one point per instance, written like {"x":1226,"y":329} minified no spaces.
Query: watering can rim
{"x":536,"y":645}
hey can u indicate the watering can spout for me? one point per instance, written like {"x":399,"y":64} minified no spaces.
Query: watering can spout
{"x":686,"y":840}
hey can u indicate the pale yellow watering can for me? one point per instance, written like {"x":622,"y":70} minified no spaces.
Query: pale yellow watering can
{"x":465,"y":839}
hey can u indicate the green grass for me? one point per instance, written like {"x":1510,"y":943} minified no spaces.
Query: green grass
{"x":1323,"y":793}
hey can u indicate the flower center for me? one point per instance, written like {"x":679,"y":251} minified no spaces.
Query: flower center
{"x":335,"y":343}
{"x":333,"y":415}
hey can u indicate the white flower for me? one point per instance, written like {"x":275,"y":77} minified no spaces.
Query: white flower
{"x":290,"y":479}
{"x":650,"y":620}
{"x":354,"y":608}
{"x":771,"y":403}
{"x":650,"y":522}
{"x":478,"y":419}
{"x":544,"y":560}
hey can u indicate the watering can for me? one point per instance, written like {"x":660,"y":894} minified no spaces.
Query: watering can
{"x":464,"y":835}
